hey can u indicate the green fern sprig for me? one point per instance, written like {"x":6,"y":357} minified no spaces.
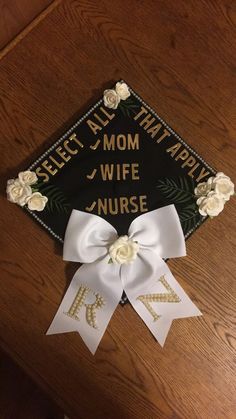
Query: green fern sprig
{"x":57,"y":202}
{"x":180,"y":192}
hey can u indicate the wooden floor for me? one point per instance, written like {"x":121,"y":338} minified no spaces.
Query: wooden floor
{"x":15,"y":15}
{"x":180,"y":57}
{"x":20,"y":398}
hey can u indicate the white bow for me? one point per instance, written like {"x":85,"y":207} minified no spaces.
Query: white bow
{"x":97,"y":286}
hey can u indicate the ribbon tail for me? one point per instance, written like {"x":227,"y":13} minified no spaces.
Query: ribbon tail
{"x":89,"y":303}
{"x":158,"y":299}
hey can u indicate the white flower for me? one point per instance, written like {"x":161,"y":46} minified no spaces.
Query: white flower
{"x":223,"y":186}
{"x":27,"y":177}
{"x":18,"y":193}
{"x":111,"y":99}
{"x":37,"y":202}
{"x":123,"y":250}
{"x":211,"y":205}
{"x":122,"y":90}
{"x":202,"y":188}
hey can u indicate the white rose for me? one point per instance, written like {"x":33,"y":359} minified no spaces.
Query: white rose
{"x":211,"y":205}
{"x":27,"y":177}
{"x":202,"y":188}
{"x":223,"y":186}
{"x":18,"y":193}
{"x":111,"y":99}
{"x":123,"y":250}
{"x":122,"y":90}
{"x":37,"y":202}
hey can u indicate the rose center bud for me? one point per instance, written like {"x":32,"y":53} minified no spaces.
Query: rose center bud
{"x":123,"y":250}
{"x":212,"y":203}
{"x":224,"y":188}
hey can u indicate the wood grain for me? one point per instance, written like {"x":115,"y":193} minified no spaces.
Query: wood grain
{"x":180,"y":57}
{"x":20,"y":398}
{"x":15,"y":15}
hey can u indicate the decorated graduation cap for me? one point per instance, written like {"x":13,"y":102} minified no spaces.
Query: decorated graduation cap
{"x":123,"y":191}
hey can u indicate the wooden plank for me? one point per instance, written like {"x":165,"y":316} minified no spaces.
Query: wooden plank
{"x":180,"y":57}
{"x":15,"y":15}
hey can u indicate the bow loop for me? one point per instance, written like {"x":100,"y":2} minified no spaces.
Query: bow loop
{"x":160,"y":231}
{"x":87,"y":237}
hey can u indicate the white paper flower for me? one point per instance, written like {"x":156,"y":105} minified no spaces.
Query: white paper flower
{"x":37,"y":202}
{"x":223,"y":186}
{"x":123,"y":250}
{"x":18,"y":193}
{"x":27,"y":177}
{"x":202,"y":188}
{"x":122,"y":90}
{"x":211,"y":205}
{"x":111,"y":98}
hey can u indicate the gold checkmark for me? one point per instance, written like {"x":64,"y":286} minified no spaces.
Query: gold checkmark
{"x":90,"y":209}
{"x":90,"y":177}
{"x":95,"y":146}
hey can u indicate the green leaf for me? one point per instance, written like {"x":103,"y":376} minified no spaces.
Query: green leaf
{"x":177,"y":191}
{"x":122,"y":109}
{"x":188,"y":212}
{"x":57,"y":202}
{"x":127,"y":107}
{"x":128,"y":112}
{"x":189,"y":216}
{"x":38,"y":184}
{"x":180,"y":191}
{"x":189,"y":223}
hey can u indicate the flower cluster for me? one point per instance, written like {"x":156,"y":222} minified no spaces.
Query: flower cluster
{"x":123,"y":250}
{"x":20,"y":191}
{"x":112,"y":97}
{"x":213,"y":194}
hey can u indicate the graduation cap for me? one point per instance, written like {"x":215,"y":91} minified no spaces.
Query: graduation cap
{"x":118,"y":161}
